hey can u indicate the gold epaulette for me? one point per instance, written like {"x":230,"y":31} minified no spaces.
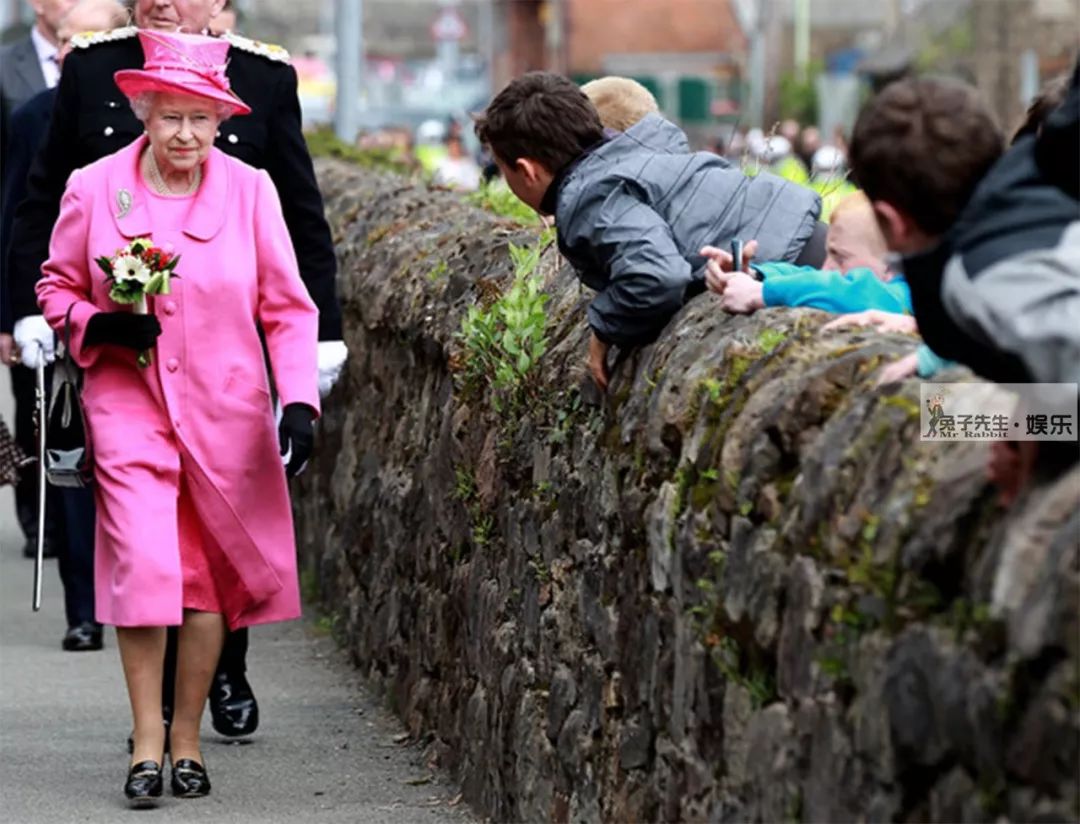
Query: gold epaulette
{"x":86,"y":39}
{"x":270,"y":51}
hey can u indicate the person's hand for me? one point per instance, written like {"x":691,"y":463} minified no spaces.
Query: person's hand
{"x":899,"y":370}
{"x":138,"y":332}
{"x":716,"y":278}
{"x":332,"y":355}
{"x":9,"y":354}
{"x":1010,"y":467}
{"x":742,"y":295}
{"x":598,"y":361}
{"x":35,"y":341}
{"x":725,"y":261}
{"x":296,"y":436}
{"x":884,"y":322}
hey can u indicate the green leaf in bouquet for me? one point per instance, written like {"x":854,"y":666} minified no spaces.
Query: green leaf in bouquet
{"x":153,"y":286}
{"x":125,"y":291}
{"x":105,"y":264}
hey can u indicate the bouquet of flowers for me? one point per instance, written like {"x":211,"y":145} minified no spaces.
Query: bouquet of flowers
{"x":138,"y":270}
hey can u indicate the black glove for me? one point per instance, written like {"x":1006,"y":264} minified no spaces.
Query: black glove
{"x":297,"y":433}
{"x":138,"y":332}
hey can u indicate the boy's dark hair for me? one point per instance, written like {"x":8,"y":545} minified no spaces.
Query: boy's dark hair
{"x":1050,"y":96}
{"x":542,"y":116}
{"x":922,"y":145}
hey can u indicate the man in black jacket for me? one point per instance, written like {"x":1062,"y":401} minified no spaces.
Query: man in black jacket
{"x":92,"y":119}
{"x":70,"y":511}
{"x":27,"y":66}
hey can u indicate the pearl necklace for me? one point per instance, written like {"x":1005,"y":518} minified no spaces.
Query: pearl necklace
{"x":158,"y":182}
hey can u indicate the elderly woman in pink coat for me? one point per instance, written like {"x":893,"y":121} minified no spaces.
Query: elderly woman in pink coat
{"x":194,"y":524}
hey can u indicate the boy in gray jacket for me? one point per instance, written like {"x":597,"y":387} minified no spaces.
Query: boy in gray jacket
{"x":634,"y":208}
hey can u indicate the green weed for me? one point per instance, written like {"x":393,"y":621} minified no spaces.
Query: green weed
{"x":498,"y":199}
{"x":504,"y":342}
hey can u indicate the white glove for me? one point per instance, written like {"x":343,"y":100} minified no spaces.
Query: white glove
{"x":332,"y":355}
{"x":35,"y":338}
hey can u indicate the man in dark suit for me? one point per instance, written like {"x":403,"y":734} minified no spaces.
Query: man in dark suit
{"x":74,"y":507}
{"x":28,"y":66}
{"x":92,"y":119}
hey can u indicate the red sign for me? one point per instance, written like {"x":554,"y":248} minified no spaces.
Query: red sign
{"x":449,"y":26}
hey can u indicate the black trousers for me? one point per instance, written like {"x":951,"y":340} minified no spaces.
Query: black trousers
{"x":23,"y":383}
{"x":75,"y":555}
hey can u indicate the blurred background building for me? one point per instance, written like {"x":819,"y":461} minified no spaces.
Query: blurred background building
{"x":712,"y":64}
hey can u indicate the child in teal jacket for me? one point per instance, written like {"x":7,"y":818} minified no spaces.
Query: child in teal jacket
{"x":854,"y":278}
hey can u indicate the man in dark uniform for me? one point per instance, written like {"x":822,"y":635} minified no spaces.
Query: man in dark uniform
{"x":92,"y":119}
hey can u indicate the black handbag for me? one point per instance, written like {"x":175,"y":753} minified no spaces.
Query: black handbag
{"x":68,"y":457}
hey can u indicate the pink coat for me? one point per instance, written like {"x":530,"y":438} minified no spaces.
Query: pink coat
{"x":199,"y":421}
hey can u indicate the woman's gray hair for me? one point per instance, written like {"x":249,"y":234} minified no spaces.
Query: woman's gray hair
{"x":143,"y":102}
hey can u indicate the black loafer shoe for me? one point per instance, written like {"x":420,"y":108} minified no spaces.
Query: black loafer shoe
{"x":84,"y":637}
{"x":232,"y":705}
{"x":189,"y":779}
{"x":143,"y":785}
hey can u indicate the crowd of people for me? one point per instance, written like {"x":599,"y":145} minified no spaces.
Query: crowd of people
{"x":973,"y":245}
{"x":201,"y":395}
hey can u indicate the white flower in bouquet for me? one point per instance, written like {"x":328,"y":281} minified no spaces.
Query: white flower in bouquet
{"x":130,"y":267}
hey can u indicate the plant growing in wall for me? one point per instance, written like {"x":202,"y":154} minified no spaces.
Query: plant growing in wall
{"x":497,"y":198}
{"x":503,"y":343}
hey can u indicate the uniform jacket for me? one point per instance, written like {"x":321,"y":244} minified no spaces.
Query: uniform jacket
{"x":634,"y":211}
{"x":26,"y":130}
{"x":205,"y":400}
{"x":92,"y":119}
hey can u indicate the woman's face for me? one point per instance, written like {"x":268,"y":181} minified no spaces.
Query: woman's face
{"x":181,"y":129}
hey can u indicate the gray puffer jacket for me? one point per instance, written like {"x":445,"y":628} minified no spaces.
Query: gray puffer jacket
{"x":634,"y":211}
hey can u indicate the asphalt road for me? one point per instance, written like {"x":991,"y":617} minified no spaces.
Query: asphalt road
{"x":325,"y":751}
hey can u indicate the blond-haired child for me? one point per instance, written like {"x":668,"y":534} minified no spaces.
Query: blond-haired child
{"x":620,"y":101}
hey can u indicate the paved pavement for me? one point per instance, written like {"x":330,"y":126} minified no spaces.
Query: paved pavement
{"x":325,"y":751}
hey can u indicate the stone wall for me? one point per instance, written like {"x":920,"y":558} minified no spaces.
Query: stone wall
{"x":739,"y":588}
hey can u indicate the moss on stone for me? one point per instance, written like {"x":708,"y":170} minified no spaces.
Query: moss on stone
{"x":770,"y":339}
{"x":324,"y":143}
{"x":903,"y":403}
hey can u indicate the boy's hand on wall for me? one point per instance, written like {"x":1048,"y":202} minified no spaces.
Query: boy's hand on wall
{"x":742,"y":295}
{"x":899,"y":370}
{"x":598,"y":361}
{"x":884,"y":322}
{"x":1010,"y":467}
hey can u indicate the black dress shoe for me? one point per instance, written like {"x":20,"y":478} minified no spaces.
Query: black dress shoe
{"x":232,"y":705}
{"x":143,"y":785}
{"x":189,"y":779}
{"x":84,"y":637}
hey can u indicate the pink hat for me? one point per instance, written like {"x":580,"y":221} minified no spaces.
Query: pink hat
{"x":191,"y":64}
